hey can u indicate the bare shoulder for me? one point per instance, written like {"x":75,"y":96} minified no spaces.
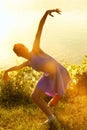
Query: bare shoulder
{"x":38,"y":51}
{"x":26,"y":63}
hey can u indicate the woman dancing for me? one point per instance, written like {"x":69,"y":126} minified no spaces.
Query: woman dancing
{"x":55,"y":77}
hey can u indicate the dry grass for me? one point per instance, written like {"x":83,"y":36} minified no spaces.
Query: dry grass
{"x":71,"y":115}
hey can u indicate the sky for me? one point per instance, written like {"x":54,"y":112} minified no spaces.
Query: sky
{"x":19,"y":20}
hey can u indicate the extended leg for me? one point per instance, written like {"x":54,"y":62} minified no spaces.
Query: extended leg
{"x":54,"y":100}
{"x":36,"y":96}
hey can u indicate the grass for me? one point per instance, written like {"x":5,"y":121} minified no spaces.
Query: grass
{"x":17,"y":112}
{"x":71,"y":115}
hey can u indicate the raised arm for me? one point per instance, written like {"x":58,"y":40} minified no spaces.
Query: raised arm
{"x":36,"y":44}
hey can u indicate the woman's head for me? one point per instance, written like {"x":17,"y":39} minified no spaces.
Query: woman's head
{"x":21,"y":50}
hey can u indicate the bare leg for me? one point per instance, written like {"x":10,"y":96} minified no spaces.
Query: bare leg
{"x":54,"y":100}
{"x":36,"y":96}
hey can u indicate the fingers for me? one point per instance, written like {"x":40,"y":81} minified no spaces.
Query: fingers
{"x":58,"y":11}
{"x":51,"y":14}
{"x":54,"y":10}
{"x":5,"y":78}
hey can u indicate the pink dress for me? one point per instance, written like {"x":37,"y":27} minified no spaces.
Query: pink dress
{"x":50,"y":82}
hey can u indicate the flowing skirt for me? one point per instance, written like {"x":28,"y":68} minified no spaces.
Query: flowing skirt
{"x":51,"y":84}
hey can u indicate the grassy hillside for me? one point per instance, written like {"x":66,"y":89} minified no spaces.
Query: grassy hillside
{"x":71,"y":115}
{"x":18,"y":112}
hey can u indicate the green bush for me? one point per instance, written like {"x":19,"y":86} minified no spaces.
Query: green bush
{"x":78,"y":75}
{"x":17,"y":90}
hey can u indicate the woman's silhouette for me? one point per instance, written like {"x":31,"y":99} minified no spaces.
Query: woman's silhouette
{"x":55,"y":77}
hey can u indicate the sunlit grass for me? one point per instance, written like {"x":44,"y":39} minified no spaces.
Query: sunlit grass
{"x":18,"y":112}
{"x":71,"y":115}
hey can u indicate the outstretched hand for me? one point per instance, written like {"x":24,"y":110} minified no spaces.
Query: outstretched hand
{"x":53,"y":10}
{"x":5,"y":77}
